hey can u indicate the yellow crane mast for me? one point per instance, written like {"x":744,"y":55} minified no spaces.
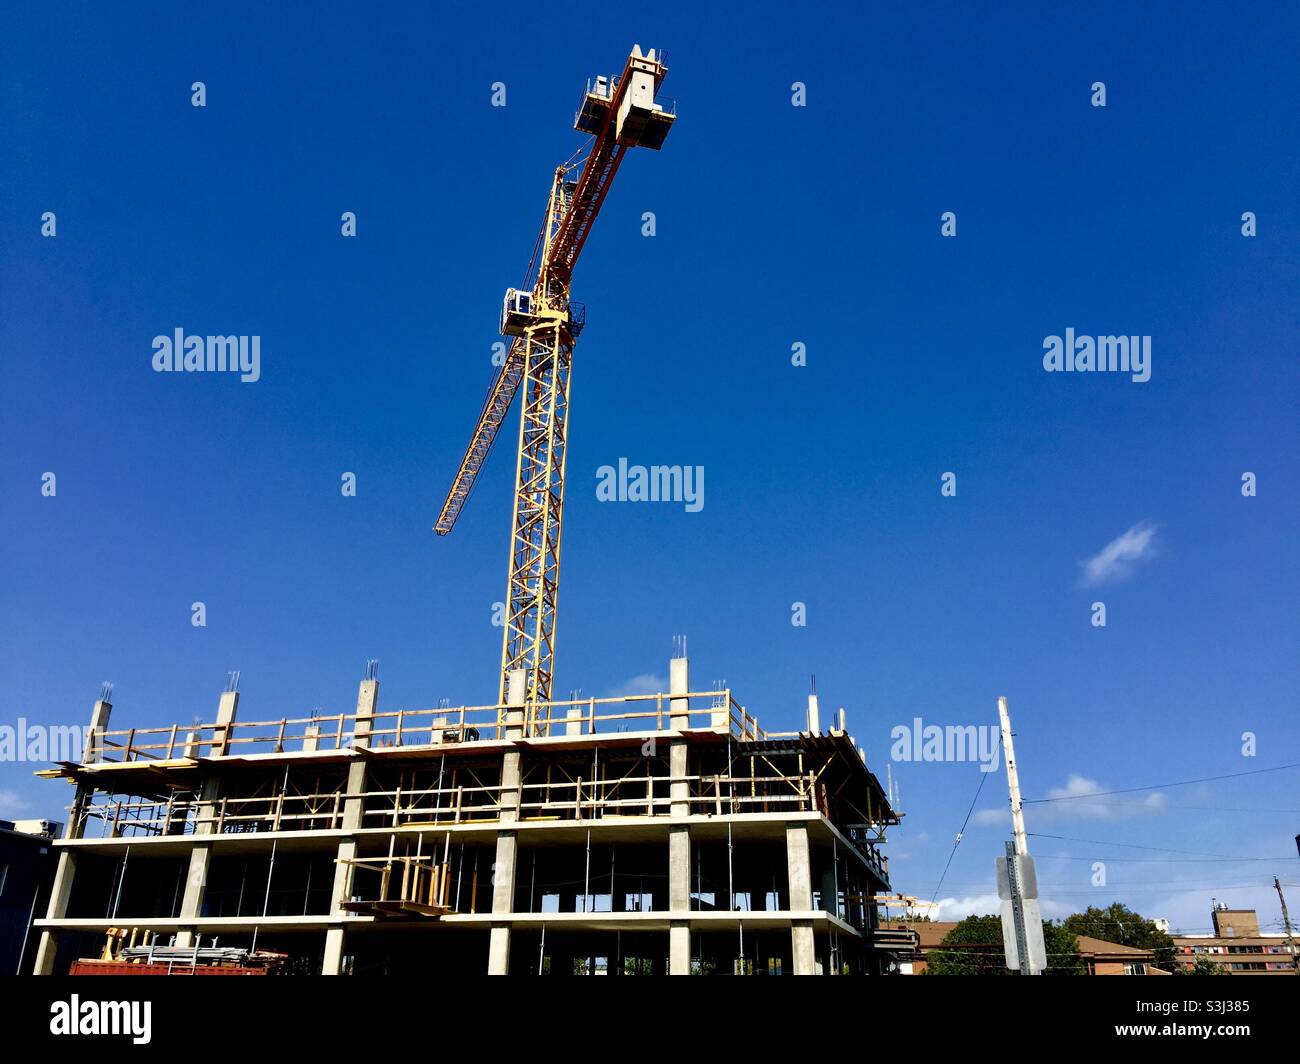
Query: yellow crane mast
{"x":543,"y":323}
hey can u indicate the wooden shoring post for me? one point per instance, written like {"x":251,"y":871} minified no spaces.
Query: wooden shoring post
{"x":410,"y":872}
{"x":577,"y":805}
{"x":591,"y":716}
{"x":338,"y":732}
{"x":130,"y":738}
{"x":460,"y":798}
{"x":717,"y":794}
{"x":401,"y":717}
{"x":171,"y":743}
{"x":279,"y":739}
{"x":446,"y":872}
{"x":279,"y":811}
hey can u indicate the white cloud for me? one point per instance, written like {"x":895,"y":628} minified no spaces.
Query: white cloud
{"x":985,"y":818}
{"x":12,"y":804}
{"x":960,"y":908}
{"x":1077,"y":806}
{"x":646,"y":683}
{"x":989,"y":905}
{"x":1116,"y":559}
{"x":1074,"y":804}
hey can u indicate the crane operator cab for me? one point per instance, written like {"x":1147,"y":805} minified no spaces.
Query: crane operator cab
{"x":520,"y":311}
{"x":516,"y":312}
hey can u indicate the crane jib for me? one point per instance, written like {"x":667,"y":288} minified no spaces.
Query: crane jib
{"x":562,"y":256}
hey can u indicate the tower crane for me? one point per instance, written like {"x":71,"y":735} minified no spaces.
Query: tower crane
{"x":542,"y":323}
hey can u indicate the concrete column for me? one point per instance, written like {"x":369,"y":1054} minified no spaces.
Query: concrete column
{"x":56,"y":910}
{"x":93,"y":752}
{"x":353,"y":810}
{"x":510,"y":769}
{"x":343,"y":876}
{"x":196,"y":882}
{"x":679,"y":790}
{"x":332,"y":961}
{"x":802,"y":951}
{"x":226,"y":710}
{"x":95,"y":737}
{"x":503,"y":900}
{"x":503,"y":869}
{"x":196,"y":878}
{"x":679,"y":858}
{"x":814,"y":716}
{"x":367,"y":707}
{"x":679,"y":683}
{"x":679,"y":900}
{"x":67,"y":866}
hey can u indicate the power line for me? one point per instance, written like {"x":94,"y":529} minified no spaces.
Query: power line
{"x":1159,"y":786}
{"x":957,"y":841}
{"x":1162,"y":860}
{"x":1136,"y":846}
{"x":1198,"y":808}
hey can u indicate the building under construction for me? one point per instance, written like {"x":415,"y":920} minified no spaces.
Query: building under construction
{"x":645,"y":834}
{"x":662,"y":833}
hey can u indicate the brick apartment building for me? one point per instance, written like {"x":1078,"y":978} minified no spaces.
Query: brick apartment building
{"x":1238,"y":944}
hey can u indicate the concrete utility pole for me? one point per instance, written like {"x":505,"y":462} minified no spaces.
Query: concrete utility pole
{"x":1286,"y":922}
{"x":1022,"y":920}
{"x":1013,"y":778}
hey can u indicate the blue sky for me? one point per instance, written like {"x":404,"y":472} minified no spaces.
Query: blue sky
{"x":775,"y":225}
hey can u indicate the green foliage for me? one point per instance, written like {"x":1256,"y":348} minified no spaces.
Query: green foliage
{"x":1119,"y":924}
{"x":1062,"y":950}
{"x":973,"y":931}
{"x":986,"y":931}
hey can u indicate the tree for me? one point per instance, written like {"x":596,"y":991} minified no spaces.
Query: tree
{"x":981,"y":937}
{"x":1122,"y":925}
